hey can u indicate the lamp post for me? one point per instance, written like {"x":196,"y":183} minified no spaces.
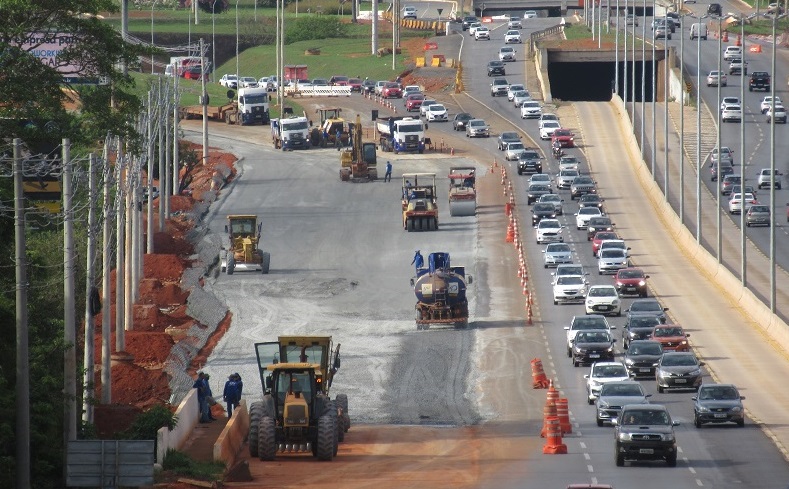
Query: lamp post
{"x":152,"y":43}
{"x":682,"y":120}
{"x":624,"y":66}
{"x":633,"y":70}
{"x":776,"y":16}
{"x":644,"y":83}
{"x":666,"y":69}
{"x":237,"y":79}
{"x":654,"y":97}
{"x":213,"y":41}
{"x":743,"y":249}
{"x":718,"y":214}
{"x":616,"y":55}
{"x":698,"y":132}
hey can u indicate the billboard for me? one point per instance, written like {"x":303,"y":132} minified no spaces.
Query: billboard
{"x":47,"y":46}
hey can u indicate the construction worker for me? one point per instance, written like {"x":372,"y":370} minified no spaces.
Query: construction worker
{"x":338,"y":139}
{"x":388,"y":174}
{"x":418,"y":261}
{"x":231,"y":394}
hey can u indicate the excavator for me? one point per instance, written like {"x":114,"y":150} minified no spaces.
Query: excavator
{"x":359,"y":162}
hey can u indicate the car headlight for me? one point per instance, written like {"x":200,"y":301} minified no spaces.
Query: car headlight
{"x":624,"y":436}
{"x":736,"y":409}
{"x":602,"y":404}
{"x":663,"y":373}
{"x":668,"y":437}
{"x":629,"y":361}
{"x":695,"y":372}
{"x":615,"y":302}
{"x":641,"y":283}
{"x":610,"y":349}
{"x":589,"y":302}
{"x":703,"y":409}
{"x":596,"y":383}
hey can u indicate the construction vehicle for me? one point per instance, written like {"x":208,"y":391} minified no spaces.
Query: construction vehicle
{"x":440,"y":290}
{"x":243,"y":253}
{"x":317,"y":135}
{"x":420,"y":204}
{"x":251,"y":106}
{"x":291,"y":133}
{"x":359,"y":163}
{"x":296,"y":413}
{"x":462,"y":191}
{"x":401,"y":134}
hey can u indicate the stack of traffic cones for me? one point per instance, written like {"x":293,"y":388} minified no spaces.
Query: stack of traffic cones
{"x":552,"y":428}
{"x":510,"y":231}
{"x":563,"y":413}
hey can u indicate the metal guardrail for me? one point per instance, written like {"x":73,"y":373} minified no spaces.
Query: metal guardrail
{"x":538,"y":35}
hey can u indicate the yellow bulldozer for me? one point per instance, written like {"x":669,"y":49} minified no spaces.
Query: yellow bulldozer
{"x":296,"y":413}
{"x":243,"y":252}
{"x":326,"y":133}
{"x":359,"y":162}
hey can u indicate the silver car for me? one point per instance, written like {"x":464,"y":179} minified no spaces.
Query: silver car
{"x":556,"y":254}
{"x":554,"y":199}
{"x":565,"y":178}
{"x":569,"y":288}
{"x":477,"y":128}
{"x":758,"y":215}
{"x":718,"y":403}
{"x":514,"y":151}
{"x":715,"y":77}
{"x":611,"y":260}
{"x":614,"y":395}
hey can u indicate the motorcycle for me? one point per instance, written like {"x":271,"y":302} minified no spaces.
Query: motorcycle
{"x":558,"y":152}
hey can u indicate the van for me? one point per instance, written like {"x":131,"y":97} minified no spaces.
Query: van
{"x":698,"y":30}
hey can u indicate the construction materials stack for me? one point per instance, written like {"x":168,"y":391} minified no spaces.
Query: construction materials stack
{"x":440,"y":291}
{"x":420,"y":202}
{"x":462,"y":191}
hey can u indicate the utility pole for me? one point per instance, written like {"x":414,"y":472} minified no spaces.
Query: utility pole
{"x":69,"y":317}
{"x":162,"y":115}
{"x":149,"y":169}
{"x":204,"y":103}
{"x":176,"y":152}
{"x":89,"y":366}
{"x":164,"y":180}
{"x":120,"y":245}
{"x":131,"y":212}
{"x":106,"y":267}
{"x":374,"y":42}
{"x":22,"y":352}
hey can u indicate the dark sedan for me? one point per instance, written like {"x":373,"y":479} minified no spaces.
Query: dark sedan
{"x":536,"y":190}
{"x":638,"y":327}
{"x":642,"y":356}
{"x":496,"y":68}
{"x":542,"y":211}
{"x":460,"y":120}
{"x":718,"y":403}
{"x":678,"y":370}
{"x":592,"y":346}
{"x":648,"y":306}
{"x":596,"y":224}
{"x":591,"y":200}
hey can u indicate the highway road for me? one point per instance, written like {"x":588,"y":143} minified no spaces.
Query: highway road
{"x":340,"y":266}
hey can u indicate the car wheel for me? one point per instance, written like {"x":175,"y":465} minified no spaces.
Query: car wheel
{"x":671,"y":460}
{"x":590,"y":400}
{"x":741,"y":423}
{"x":599,"y":422}
{"x":569,"y":353}
{"x":696,"y":421}
{"x":555,"y":302}
{"x":576,"y":363}
{"x":620,"y":458}
{"x":660,"y":389}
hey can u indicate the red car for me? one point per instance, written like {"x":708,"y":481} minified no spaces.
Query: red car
{"x":672,"y":337}
{"x":564,"y":136}
{"x":392,"y":90}
{"x":599,"y":237}
{"x":414,"y":101}
{"x":339,"y":81}
{"x":631,"y":281}
{"x":356,"y":84}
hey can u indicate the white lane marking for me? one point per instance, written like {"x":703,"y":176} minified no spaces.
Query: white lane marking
{"x":587,"y":456}
{"x":699,"y":483}
{"x":692,"y":470}
{"x":583,"y":445}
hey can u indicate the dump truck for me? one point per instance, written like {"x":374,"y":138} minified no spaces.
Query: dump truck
{"x":401,"y":134}
{"x":291,"y":133}
{"x":251,"y":107}
{"x":420,"y":204}
{"x":243,"y":252}
{"x":440,"y":291}
{"x":296,"y":413}
{"x":462,"y":191}
{"x":359,"y":162}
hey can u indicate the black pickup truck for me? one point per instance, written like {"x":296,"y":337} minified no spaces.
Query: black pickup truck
{"x":760,"y":80}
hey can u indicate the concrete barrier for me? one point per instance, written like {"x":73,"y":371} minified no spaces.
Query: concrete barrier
{"x":318,"y":91}
{"x":188,"y":416}
{"x":230,"y":442}
{"x":773,"y":327}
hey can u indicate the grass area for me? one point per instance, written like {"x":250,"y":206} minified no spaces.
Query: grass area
{"x":181,"y":464}
{"x":764,"y":27}
{"x":580,"y":32}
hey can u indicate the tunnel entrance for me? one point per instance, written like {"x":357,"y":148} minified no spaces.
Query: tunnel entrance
{"x":593,"y":81}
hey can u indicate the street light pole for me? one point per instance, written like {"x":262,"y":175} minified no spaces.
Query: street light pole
{"x":213,"y":41}
{"x":654,"y":96}
{"x":744,"y":72}
{"x":718,"y":214}
{"x":237,"y":79}
{"x":624,"y":65}
{"x":666,"y":70}
{"x":682,"y":119}
{"x":698,"y":133}
{"x":616,"y":55}
{"x":644,"y":87}
{"x":152,"y":43}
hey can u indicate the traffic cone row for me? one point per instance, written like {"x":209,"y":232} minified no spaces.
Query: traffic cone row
{"x":538,"y":378}
{"x":513,"y":236}
{"x":510,"y":231}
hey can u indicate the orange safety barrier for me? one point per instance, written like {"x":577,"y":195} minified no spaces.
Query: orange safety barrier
{"x":738,"y":42}
{"x":548,"y":411}
{"x":553,"y":440}
{"x":756,"y":48}
{"x":725,"y":37}
{"x":430,"y":45}
{"x":563,"y":412}
{"x":538,"y":378}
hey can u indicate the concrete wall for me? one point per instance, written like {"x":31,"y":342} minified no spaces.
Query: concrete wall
{"x":773,"y":326}
{"x":541,"y":65}
{"x":230,"y":442}
{"x":188,"y":416}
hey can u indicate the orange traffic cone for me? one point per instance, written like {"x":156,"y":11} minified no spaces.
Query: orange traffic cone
{"x":725,"y":37}
{"x":738,"y":42}
{"x":756,"y":48}
{"x":510,"y":232}
{"x":563,"y":412}
{"x":548,"y":411}
{"x":538,"y":378}
{"x":553,"y":440}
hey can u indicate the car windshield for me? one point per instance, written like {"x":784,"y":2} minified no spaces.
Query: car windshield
{"x":589,"y":323}
{"x":593,"y":338}
{"x":650,"y":306}
{"x":631,"y":274}
{"x":644,"y":417}
{"x":650,"y":348}
{"x":589,"y":211}
{"x":570,"y":280}
{"x":678,"y":360}
{"x":583,"y":181}
{"x":602,"y":292}
{"x":760,"y":208}
{"x":558,"y":248}
{"x":509,"y":136}
{"x":543,"y":208}
{"x":531,"y":105}
{"x":551,"y":198}
{"x":718,"y":393}
{"x":604,"y":235}
{"x":621,"y":389}
{"x":530,"y":155}
{"x":512,"y":146}
{"x":549,"y":224}
{"x":550,"y":124}
{"x":609,"y":253}
{"x":568,"y":173}
{"x":600,"y":221}
{"x":562,"y":132}
{"x":462,"y":117}
{"x":609,"y":371}
{"x":570,"y":270}
{"x":410,"y":128}
{"x":437,"y":108}
{"x":667,"y":332}
{"x":477,"y":123}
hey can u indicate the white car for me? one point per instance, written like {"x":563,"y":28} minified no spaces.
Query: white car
{"x":780,"y":114}
{"x":549,"y":231}
{"x":556,"y":254}
{"x":515,"y":87}
{"x":731,"y":113}
{"x":730,"y":100}
{"x":229,"y":81}
{"x":248,"y":82}
{"x":531,"y":109}
{"x":590,"y":322}
{"x":603,"y":373}
{"x":614,"y":244}
{"x":437,"y":112}
{"x":514,"y":23}
{"x":530,"y":14}
{"x":521,"y":96}
{"x":513,"y":37}
{"x":426,"y":103}
{"x":603,"y":299}
{"x":565,"y":178}
{"x":472,"y":28}
{"x":540,"y":179}
{"x":568,"y":163}
{"x":482,"y":32}
{"x":409,"y":12}
{"x":611,"y":260}
{"x":584,"y":214}
{"x":739,"y":200}
{"x":717,"y":77}
{"x":547,"y":117}
{"x":554,"y":199}
{"x":569,"y":288}
{"x":547,"y":128}
{"x":732,"y":52}
{"x":409,"y":89}
{"x":514,"y":151}
{"x":507,"y":53}
{"x":767,"y":102}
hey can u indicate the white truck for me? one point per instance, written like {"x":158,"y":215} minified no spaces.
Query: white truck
{"x":401,"y":134}
{"x":251,"y":106}
{"x":290,"y":133}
